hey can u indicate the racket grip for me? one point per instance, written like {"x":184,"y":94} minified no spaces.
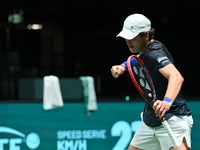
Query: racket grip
{"x":170,"y":133}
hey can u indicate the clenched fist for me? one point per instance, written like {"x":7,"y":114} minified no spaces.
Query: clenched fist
{"x":117,"y":70}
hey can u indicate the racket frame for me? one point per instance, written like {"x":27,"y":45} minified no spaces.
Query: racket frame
{"x":135,"y":81}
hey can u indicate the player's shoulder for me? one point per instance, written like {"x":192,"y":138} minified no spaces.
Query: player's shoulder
{"x":156,"y":46}
{"x":159,"y":54}
{"x":156,"y":49}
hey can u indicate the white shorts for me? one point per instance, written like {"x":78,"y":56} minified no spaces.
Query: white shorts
{"x":149,"y":138}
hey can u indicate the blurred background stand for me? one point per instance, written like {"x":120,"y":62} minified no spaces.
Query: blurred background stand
{"x":12,"y":67}
{"x":9,"y":72}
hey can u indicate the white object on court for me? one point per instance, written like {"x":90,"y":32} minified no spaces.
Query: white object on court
{"x":89,"y":94}
{"x":52,"y":97}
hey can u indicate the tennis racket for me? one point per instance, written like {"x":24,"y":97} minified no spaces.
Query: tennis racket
{"x":144,"y":84}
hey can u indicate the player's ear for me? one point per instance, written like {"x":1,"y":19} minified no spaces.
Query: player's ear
{"x":147,"y":35}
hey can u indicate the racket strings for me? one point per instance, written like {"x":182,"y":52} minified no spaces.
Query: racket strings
{"x":144,"y":82}
{"x":140,"y":71}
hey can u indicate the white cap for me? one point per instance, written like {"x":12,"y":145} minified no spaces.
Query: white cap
{"x":133,"y":25}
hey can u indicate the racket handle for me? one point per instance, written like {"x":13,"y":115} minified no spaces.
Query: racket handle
{"x":170,"y":133}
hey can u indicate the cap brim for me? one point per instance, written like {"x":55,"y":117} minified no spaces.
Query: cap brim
{"x":127,"y":34}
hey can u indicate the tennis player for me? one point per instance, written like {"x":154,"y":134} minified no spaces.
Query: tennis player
{"x":171,"y":104}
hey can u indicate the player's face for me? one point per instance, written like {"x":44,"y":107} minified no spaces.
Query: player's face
{"x":137,"y":44}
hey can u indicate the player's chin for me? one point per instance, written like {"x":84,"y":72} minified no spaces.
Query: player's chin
{"x":132,"y":50}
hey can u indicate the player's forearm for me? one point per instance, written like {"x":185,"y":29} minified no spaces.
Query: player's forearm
{"x":175,"y":82}
{"x":133,"y":63}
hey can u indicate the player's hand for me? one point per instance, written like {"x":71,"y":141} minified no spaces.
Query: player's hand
{"x":161,"y":107}
{"x":117,"y":70}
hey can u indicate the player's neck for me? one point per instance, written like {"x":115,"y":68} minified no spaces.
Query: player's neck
{"x":145,"y":47}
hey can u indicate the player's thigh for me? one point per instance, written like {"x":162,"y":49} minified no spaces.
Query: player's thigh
{"x":131,"y":147}
{"x":145,"y":139}
{"x":182,"y":147}
{"x":181,"y":130}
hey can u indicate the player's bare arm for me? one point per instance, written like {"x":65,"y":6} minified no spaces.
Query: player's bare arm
{"x":175,"y":81}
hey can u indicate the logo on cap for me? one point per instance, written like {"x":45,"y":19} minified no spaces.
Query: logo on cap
{"x":132,"y":27}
